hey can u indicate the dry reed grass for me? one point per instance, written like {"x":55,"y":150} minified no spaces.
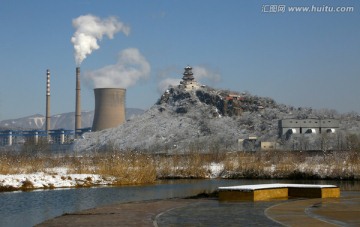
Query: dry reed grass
{"x":128,"y":168}
{"x":18,"y":163}
{"x":141,"y":168}
{"x":190,"y":165}
{"x":290,"y":165}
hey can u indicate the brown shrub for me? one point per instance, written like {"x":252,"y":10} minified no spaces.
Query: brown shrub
{"x":27,"y":185}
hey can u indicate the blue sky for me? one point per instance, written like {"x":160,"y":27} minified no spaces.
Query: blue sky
{"x":300,"y":59}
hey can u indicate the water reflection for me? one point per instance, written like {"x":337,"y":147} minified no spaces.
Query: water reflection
{"x":30,"y":208}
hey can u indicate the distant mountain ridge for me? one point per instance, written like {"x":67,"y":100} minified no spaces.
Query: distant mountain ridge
{"x":64,"y":120}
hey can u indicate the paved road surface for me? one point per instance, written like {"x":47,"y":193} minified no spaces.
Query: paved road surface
{"x":210,"y":212}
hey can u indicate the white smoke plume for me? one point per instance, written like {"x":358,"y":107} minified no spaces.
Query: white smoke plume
{"x":130,"y":67}
{"x":202,"y":74}
{"x":90,"y":29}
{"x":170,"y":71}
{"x":166,"y":83}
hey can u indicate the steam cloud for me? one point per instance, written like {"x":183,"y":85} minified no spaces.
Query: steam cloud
{"x":130,"y":67}
{"x":166,"y":83}
{"x":202,"y":73}
{"x":90,"y":29}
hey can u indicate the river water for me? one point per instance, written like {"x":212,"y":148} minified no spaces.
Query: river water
{"x":33,"y":207}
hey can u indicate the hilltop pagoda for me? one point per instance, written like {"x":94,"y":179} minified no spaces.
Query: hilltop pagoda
{"x":188,"y":81}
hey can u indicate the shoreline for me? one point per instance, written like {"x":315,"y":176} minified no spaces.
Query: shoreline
{"x":48,"y":181}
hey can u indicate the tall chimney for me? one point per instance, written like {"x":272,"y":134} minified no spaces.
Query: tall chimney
{"x":47,"y":115}
{"x":77,"y":104}
{"x":109,"y":108}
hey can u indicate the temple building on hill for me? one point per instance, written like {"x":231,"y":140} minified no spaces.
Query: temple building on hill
{"x":189,"y":82}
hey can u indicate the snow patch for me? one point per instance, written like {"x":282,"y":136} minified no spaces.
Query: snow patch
{"x":39,"y":121}
{"x":272,"y":186}
{"x":215,"y":170}
{"x":55,"y":178}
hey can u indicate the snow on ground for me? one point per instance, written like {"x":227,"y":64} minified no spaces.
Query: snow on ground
{"x":215,"y":170}
{"x":56,"y":178}
{"x":60,"y":178}
{"x":273,"y":186}
{"x":270,"y":169}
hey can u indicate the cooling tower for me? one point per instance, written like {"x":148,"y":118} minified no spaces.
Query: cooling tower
{"x":78,"y":103}
{"x":47,"y":114}
{"x":109,"y":108}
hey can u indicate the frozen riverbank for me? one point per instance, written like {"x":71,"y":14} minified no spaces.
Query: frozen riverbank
{"x":58,"y":178}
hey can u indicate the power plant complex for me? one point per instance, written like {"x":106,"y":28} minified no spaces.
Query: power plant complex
{"x":109,"y":113}
{"x":109,"y":107}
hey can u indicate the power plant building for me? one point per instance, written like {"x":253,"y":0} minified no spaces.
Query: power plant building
{"x":109,"y":108}
{"x":307,"y":126}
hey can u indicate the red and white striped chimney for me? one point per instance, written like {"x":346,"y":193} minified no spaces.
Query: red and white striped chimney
{"x":47,"y":114}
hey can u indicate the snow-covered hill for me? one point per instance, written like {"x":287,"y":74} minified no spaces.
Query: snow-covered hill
{"x":202,"y":119}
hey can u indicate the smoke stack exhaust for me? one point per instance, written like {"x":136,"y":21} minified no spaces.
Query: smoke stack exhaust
{"x":47,"y":114}
{"x":78,"y":103}
{"x":109,"y":108}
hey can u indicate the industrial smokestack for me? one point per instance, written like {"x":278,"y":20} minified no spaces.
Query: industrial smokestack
{"x":109,"y":108}
{"x":78,"y":103}
{"x":47,"y":115}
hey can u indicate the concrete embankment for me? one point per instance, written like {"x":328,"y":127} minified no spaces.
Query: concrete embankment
{"x":341,"y":211}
